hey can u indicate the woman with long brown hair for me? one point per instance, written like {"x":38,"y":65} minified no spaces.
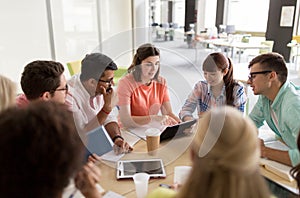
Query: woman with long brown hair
{"x":218,"y":89}
{"x":143,"y":93}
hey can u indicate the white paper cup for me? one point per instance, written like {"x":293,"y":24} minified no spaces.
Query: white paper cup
{"x":181,"y":173}
{"x":153,"y":140}
{"x":141,"y":184}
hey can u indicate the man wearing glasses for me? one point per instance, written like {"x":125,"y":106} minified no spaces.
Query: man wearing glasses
{"x":278,"y":105}
{"x":43,"y":80}
{"x":92,"y":99}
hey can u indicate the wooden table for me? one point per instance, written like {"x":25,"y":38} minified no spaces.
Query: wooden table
{"x":173,"y":153}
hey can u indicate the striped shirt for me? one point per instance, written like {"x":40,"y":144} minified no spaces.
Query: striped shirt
{"x":202,"y":98}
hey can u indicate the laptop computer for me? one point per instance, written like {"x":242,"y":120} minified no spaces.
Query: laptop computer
{"x":176,"y":130}
{"x":98,"y":142}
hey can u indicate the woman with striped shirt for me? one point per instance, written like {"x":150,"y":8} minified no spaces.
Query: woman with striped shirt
{"x":218,"y":89}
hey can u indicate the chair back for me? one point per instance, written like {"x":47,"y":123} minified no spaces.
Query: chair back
{"x":268,"y":43}
{"x":296,"y":38}
{"x":74,"y":67}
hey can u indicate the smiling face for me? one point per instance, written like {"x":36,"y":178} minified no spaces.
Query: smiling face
{"x":149,"y":67}
{"x":214,"y":78}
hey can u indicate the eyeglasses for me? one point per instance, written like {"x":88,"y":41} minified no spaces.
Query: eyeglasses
{"x":252,"y":75}
{"x":66,"y":88}
{"x":106,"y":81}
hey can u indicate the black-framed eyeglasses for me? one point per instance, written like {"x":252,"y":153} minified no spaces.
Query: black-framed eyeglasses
{"x":106,"y":81}
{"x":252,"y":75}
{"x":66,"y":88}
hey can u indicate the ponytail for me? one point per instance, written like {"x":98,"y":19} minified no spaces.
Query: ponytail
{"x":229,"y":84}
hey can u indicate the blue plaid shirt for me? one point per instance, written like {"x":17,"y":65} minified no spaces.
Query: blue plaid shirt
{"x":202,"y":99}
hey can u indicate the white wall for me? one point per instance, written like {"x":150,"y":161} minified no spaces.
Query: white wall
{"x":75,"y":27}
{"x":76,"y":24}
{"x":248,"y":15}
{"x":116,"y":25}
{"x":206,"y":14}
{"x":24,"y":35}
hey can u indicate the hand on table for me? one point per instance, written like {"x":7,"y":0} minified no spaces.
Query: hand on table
{"x":121,"y":146}
{"x":262,"y":149}
{"x":164,"y":120}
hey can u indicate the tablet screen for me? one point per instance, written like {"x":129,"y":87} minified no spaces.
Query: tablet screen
{"x":127,"y":168}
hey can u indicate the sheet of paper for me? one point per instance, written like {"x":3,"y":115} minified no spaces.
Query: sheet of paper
{"x":111,"y":194}
{"x":111,"y":156}
{"x":278,"y":145}
{"x":266,"y":135}
{"x":130,"y":138}
{"x":140,"y":131}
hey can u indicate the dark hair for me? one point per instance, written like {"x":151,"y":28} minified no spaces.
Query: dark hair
{"x":295,"y":171}
{"x":274,"y":62}
{"x":143,"y":52}
{"x":41,"y":76}
{"x":40,"y":150}
{"x":220,"y":61}
{"x":94,"y":65}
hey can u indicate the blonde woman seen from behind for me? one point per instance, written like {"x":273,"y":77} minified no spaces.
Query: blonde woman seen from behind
{"x":225,"y":155}
{"x":7,"y":93}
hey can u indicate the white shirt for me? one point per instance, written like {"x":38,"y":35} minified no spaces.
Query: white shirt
{"x":79,"y":102}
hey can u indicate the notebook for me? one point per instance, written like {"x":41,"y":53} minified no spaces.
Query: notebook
{"x":98,"y":142}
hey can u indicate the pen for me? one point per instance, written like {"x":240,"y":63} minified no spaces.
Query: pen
{"x":164,"y":185}
{"x":73,"y":193}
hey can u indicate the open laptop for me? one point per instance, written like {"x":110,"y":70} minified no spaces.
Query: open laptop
{"x":176,"y":130}
{"x":98,"y":142}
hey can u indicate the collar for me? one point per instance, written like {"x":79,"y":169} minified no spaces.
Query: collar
{"x":79,"y":86}
{"x":210,"y":91}
{"x":280,"y":94}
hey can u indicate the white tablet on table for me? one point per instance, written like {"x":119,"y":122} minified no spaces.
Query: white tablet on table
{"x":127,"y":168}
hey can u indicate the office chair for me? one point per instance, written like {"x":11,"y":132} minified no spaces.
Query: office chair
{"x":294,"y":45}
{"x":268,"y":43}
{"x":74,"y":67}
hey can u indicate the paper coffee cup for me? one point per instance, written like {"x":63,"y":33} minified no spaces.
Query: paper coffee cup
{"x":153,"y":139}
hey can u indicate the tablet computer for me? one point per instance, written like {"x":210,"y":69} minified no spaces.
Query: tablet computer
{"x":98,"y":141}
{"x":127,"y":168}
{"x":176,"y":130}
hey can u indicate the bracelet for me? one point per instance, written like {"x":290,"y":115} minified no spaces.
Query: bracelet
{"x":116,"y":137}
{"x":106,"y":112}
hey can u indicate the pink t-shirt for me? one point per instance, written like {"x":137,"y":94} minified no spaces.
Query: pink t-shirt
{"x":143,"y":99}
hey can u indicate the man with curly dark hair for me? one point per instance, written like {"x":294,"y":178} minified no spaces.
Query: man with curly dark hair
{"x":41,"y":151}
{"x":43,"y":80}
